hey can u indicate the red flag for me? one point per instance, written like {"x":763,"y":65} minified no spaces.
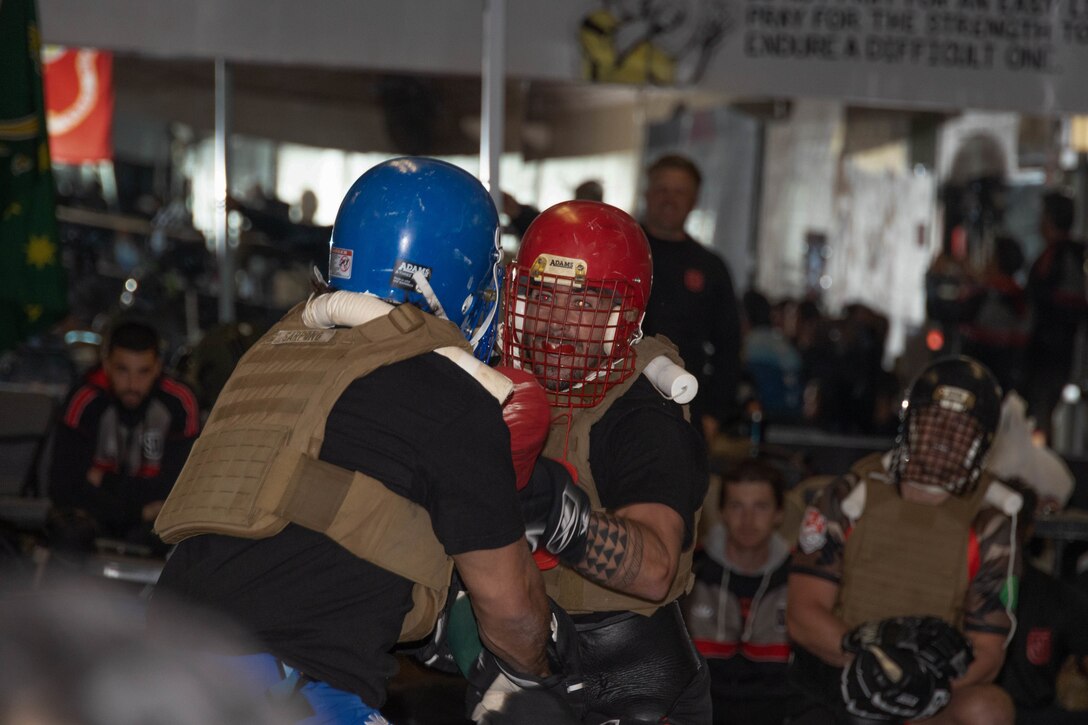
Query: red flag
{"x":79,"y":103}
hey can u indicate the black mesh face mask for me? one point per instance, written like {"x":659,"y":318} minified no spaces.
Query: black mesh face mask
{"x":942,"y":448}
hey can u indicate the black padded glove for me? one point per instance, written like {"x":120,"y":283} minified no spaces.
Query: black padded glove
{"x":556,"y":511}
{"x":437,"y":650}
{"x":892,"y":684}
{"x":941,"y":648}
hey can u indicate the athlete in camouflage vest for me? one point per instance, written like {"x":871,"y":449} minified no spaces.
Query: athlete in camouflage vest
{"x":904,"y":574}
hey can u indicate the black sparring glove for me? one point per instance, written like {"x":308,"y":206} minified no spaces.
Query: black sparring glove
{"x":453,"y":643}
{"x":499,"y":695}
{"x":556,"y":511}
{"x":892,"y":684}
{"x":904,"y":667}
{"x":940,"y":647}
{"x":943,"y":648}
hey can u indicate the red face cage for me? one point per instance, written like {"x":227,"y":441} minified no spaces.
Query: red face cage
{"x":574,"y":335}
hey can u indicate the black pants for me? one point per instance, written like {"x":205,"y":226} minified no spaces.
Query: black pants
{"x":644,"y":670}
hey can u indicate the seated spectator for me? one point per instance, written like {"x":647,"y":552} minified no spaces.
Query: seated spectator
{"x":123,"y":437}
{"x":902,"y":569}
{"x":737,"y":611}
{"x":772,"y":361}
{"x":1051,"y":627}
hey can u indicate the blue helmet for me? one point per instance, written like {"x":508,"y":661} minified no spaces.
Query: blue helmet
{"x":425,"y":232}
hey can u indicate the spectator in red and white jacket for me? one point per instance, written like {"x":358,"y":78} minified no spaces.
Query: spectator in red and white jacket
{"x":736,"y":612}
{"x":121,"y":442}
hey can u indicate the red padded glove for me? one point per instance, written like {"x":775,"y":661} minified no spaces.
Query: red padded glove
{"x":527,"y":415}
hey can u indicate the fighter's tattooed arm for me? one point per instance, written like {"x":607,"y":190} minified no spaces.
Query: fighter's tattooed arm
{"x":626,"y":555}
{"x":613,"y":551}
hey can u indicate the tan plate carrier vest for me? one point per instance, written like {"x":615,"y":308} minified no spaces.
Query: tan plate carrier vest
{"x":570,"y":590}
{"x":906,"y":558}
{"x":255,"y":468}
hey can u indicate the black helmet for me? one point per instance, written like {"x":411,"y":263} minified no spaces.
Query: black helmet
{"x":947,"y":423}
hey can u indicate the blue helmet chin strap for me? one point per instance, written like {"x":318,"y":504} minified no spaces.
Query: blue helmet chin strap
{"x":481,"y":323}
{"x":434,"y":306}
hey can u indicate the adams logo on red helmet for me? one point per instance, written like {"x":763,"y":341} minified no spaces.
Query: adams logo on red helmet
{"x":558,"y":266}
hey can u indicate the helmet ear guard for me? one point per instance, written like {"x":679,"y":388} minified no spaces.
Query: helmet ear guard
{"x":480,"y":325}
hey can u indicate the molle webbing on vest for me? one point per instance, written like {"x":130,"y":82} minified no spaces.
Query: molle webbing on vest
{"x":906,"y":558}
{"x":568,"y":588}
{"x":255,"y":468}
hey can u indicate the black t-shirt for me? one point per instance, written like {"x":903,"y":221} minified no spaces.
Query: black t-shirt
{"x":1052,"y":623}
{"x":694,"y":305}
{"x":643,"y":451}
{"x":1056,"y":291}
{"x":428,"y":432}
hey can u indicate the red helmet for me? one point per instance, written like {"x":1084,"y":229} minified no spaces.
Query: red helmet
{"x":575,"y":298}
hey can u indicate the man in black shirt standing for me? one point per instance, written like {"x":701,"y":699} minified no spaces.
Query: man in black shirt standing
{"x":1056,"y":291}
{"x":574,"y":302}
{"x":693,"y":303}
{"x":359,"y":453}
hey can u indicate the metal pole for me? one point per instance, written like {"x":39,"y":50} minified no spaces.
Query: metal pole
{"x":224,"y":248}
{"x":493,"y":96}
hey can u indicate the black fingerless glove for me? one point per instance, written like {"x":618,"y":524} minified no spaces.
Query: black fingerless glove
{"x":556,"y":511}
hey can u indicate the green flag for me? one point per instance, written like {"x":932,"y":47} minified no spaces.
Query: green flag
{"x":33,"y":293}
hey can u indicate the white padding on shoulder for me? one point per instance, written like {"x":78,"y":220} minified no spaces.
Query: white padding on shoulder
{"x":1014,"y":454}
{"x":493,"y":381}
{"x":346,"y":309}
{"x":349,"y":309}
{"x":671,"y":380}
{"x":1003,"y":498}
{"x":854,"y":504}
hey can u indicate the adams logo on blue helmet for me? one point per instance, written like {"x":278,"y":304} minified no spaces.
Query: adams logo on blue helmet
{"x":404,"y":274}
{"x":424,"y":232}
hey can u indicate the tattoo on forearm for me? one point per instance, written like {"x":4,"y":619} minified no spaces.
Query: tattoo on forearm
{"x":613,"y":551}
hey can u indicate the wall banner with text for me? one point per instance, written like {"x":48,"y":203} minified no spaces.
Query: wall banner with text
{"x":1025,"y":55}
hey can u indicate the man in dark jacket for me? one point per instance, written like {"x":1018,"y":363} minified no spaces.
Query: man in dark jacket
{"x":122,"y":439}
